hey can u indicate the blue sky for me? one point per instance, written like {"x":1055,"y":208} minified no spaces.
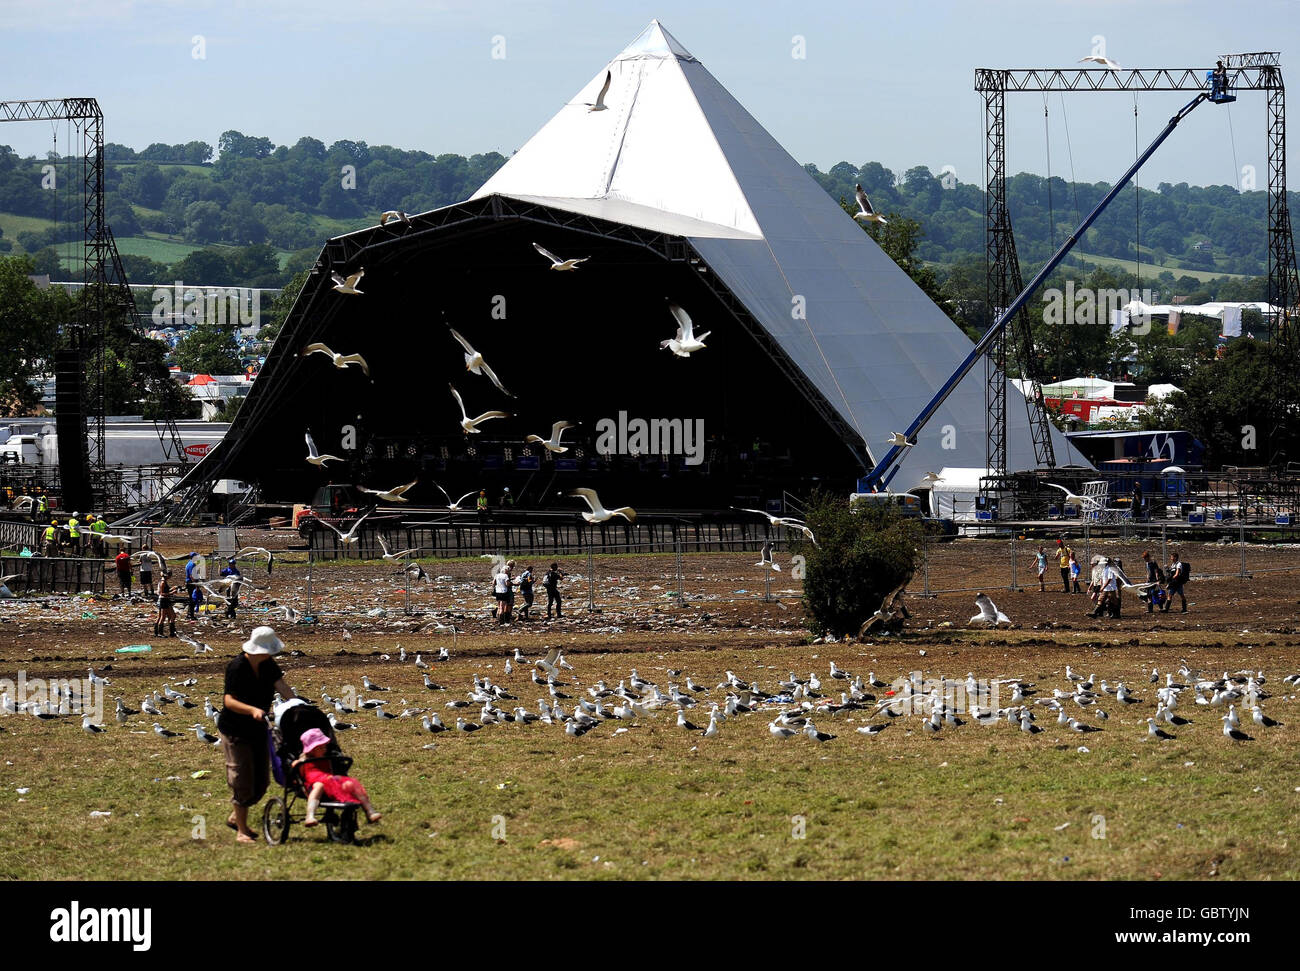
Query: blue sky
{"x":890,"y":82}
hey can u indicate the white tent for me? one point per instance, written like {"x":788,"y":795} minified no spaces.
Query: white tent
{"x":674,"y":152}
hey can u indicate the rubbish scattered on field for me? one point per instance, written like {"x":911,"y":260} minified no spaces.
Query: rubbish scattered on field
{"x":133,"y":649}
{"x":201,"y":774}
{"x":99,"y":814}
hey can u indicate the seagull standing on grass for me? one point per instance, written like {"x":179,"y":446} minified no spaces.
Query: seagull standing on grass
{"x":341,"y":361}
{"x":203,"y":736}
{"x":470,"y":425}
{"x":599,"y":514}
{"x":865,"y":213}
{"x":556,"y":262}
{"x":685,"y":343}
{"x":90,"y":727}
{"x":1234,"y":734}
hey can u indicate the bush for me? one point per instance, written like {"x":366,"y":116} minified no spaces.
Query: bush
{"x":862,"y":554}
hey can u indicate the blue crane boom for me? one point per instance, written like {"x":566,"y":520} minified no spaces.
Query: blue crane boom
{"x":884,"y":472}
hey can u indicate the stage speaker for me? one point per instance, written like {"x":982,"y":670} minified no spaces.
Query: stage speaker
{"x":70,"y":421}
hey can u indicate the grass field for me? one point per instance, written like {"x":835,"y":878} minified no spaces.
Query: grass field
{"x":658,"y":801}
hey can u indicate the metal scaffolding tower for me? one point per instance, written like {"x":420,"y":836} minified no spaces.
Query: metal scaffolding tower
{"x":108,"y":295}
{"x":1246,"y":72}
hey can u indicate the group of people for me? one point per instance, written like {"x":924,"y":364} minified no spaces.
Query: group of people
{"x":1163,"y":585}
{"x":1107,"y":580}
{"x":1068,"y":564}
{"x":83,"y":536}
{"x":504,"y":583}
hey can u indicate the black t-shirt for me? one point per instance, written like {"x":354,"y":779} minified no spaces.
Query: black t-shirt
{"x":256,"y":689}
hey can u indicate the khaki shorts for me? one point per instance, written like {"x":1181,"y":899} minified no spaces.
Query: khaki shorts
{"x":248,"y":770}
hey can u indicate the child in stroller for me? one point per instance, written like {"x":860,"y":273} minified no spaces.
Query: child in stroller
{"x":294,"y":719}
{"x":312,"y":766}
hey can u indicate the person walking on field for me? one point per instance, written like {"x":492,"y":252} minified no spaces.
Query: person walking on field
{"x":551,"y":584}
{"x":146,"y":576}
{"x":501,"y":590}
{"x":122,"y":562}
{"x":252,"y":679}
{"x":526,"y":588}
{"x":1042,"y":570}
{"x":1075,"y":572}
{"x":166,"y":609}
{"x":1063,"y":556}
{"x":52,"y":538}
{"x":1178,"y":573}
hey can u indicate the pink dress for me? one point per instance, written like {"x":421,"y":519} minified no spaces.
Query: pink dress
{"x":314,"y":772}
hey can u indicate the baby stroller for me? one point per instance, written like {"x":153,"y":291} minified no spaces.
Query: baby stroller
{"x":284,"y":741}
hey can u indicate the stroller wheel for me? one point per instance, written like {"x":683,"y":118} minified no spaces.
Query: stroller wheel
{"x":275,"y":821}
{"x":342,"y":825}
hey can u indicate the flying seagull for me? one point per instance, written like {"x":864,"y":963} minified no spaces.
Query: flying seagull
{"x":470,"y":425}
{"x":556,"y":262}
{"x":350,"y":284}
{"x":1105,"y":62}
{"x":315,"y":457}
{"x":340,"y":360}
{"x":599,"y":103}
{"x":989,"y":613}
{"x":866,"y":214}
{"x":454,"y":506}
{"x":392,"y":556}
{"x":394,"y":494}
{"x":553,"y":444}
{"x":394,"y":215}
{"x":899,"y":439}
{"x":599,"y":513}
{"x":785,"y":521}
{"x":1074,"y":500}
{"x":685,"y":343}
{"x":251,"y":551}
{"x":474,"y":362}
{"x":350,"y":537}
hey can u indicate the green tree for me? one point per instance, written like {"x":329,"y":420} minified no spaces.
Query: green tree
{"x":1243,"y":407}
{"x":208,"y":349}
{"x":32,"y":318}
{"x":863,"y":552}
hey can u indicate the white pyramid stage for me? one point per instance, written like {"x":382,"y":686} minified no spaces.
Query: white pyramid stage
{"x":673,"y":152}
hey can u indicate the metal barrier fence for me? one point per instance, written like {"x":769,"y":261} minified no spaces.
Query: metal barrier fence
{"x":568,"y":537}
{"x":15,"y":535}
{"x":54,"y":574}
{"x":964,"y":565}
